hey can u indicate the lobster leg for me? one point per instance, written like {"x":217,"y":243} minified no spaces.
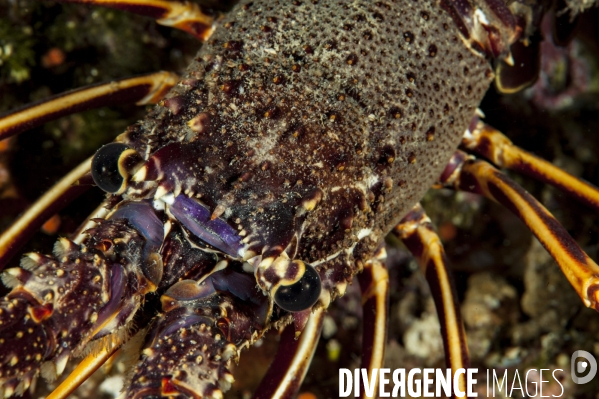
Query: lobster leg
{"x":143,"y":90}
{"x":374,"y":284}
{"x":465,"y":173}
{"x":287,"y":371}
{"x":183,"y":15}
{"x":493,"y":145}
{"x":294,"y":355}
{"x":82,"y":372}
{"x":417,"y":233}
{"x":61,"y":194}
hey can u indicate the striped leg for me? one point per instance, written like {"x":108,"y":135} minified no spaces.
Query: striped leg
{"x":143,"y":90}
{"x":294,"y":355}
{"x":183,"y":15}
{"x":60,"y":195}
{"x":82,"y":372}
{"x":417,"y":233}
{"x":493,"y":145}
{"x":468,"y":174}
{"x":374,"y":284}
{"x":287,"y":371}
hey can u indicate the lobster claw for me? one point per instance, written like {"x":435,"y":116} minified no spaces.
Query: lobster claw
{"x":67,"y":300}
{"x":189,"y":348}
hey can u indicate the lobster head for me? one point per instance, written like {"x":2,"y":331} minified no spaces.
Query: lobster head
{"x":261,"y":229}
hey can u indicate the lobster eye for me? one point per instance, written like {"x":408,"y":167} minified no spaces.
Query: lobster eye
{"x":300,"y":295}
{"x":105,"y":167}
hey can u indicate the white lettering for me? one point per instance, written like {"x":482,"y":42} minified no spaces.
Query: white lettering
{"x":369,"y":388}
{"x":411,"y":383}
{"x":399,"y":383}
{"x":516,"y":377}
{"x":541,"y":384}
{"x":456,"y":383}
{"x":560,"y":384}
{"x":419,"y":382}
{"x":344,"y":393}
{"x":426,"y":382}
{"x":471,"y":381}
{"x":503,"y":381}
{"x":533,"y":382}
{"x":443,"y":381}
{"x":382,"y":382}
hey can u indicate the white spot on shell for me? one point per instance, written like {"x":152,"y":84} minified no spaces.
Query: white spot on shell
{"x":168,"y":199}
{"x":158,"y":205}
{"x":247,"y":267}
{"x":364,"y":233}
{"x":372,"y":180}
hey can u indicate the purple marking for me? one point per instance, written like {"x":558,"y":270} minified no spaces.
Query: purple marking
{"x":215,"y":232}
{"x":242,"y":285}
{"x":117,"y":288}
{"x":142,"y":217}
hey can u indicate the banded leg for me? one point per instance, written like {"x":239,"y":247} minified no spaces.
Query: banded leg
{"x":287,"y":371}
{"x":417,"y":233}
{"x":183,"y":15}
{"x":147,"y":89}
{"x":492,"y":144}
{"x":374,"y":284}
{"x":60,"y":195}
{"x":82,"y":372}
{"x":465,"y":173}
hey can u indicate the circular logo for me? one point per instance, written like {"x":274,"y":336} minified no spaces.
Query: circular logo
{"x":579,"y":367}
